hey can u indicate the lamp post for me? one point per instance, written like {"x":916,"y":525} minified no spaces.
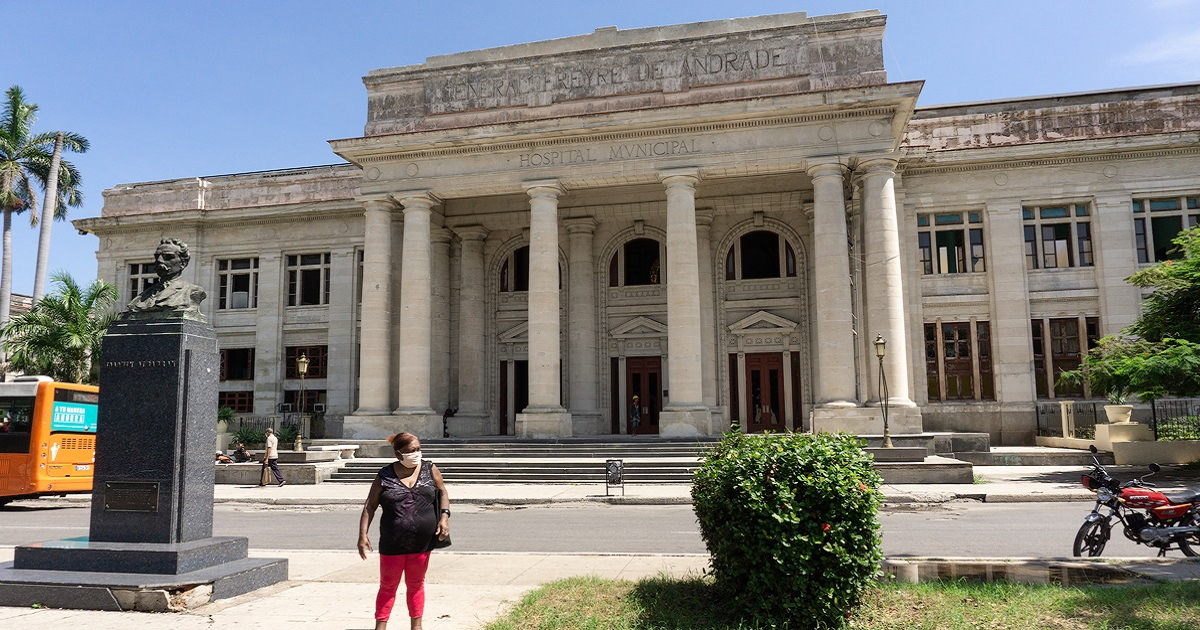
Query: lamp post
{"x":880,"y":350}
{"x":302,"y":370}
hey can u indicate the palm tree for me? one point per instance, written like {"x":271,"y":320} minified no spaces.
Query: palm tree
{"x":53,"y":207}
{"x":60,"y":337}
{"x":25,"y":161}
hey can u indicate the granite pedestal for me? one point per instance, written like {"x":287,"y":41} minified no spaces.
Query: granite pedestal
{"x":152,"y":496}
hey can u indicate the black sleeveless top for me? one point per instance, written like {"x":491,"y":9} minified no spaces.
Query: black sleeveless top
{"x":409,"y":519}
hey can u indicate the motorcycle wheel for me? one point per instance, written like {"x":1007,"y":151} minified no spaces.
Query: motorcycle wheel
{"x":1091,"y":539}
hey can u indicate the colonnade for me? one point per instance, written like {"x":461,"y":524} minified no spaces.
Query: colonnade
{"x":688,"y":404}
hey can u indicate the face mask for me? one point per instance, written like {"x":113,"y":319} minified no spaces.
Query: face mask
{"x":411,"y":460}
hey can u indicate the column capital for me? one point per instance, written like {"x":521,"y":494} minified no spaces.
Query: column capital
{"x":440,"y":235}
{"x":471,"y":232}
{"x":704,"y":218}
{"x":416,"y":199}
{"x":878,"y":166}
{"x":581,"y":225}
{"x":377,"y":202}
{"x":544,"y":189}
{"x":676,"y":177}
{"x":826,"y":169}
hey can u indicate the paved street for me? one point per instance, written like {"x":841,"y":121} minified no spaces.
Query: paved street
{"x":959,"y":529}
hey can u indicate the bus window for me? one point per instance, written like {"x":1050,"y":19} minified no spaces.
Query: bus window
{"x":16,"y":423}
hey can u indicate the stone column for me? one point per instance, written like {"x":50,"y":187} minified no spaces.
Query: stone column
{"x":545,"y":416}
{"x":375,"y":361}
{"x":581,"y":339}
{"x":884,"y":280}
{"x":415,"y":312}
{"x":685,"y":414}
{"x":1115,"y":259}
{"x":708,"y":325}
{"x":472,"y":371}
{"x":835,"y":369}
{"x":439,"y":385}
{"x":1012,"y":348}
{"x":268,"y":332}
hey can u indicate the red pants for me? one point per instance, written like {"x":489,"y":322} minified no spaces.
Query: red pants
{"x":412,"y":567}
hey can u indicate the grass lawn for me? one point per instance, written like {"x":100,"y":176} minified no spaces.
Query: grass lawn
{"x":665,"y":603}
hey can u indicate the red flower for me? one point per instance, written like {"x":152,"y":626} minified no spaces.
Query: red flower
{"x":824,"y":527}
{"x":862,"y":486}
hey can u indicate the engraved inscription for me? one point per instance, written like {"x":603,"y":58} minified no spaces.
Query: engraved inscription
{"x":616,"y":74}
{"x":611,"y":153}
{"x":131,"y":496}
{"x":141,"y":364}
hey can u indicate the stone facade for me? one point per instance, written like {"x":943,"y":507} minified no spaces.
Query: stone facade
{"x":718,"y":217}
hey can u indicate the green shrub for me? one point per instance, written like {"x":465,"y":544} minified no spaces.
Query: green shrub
{"x":287,"y":434}
{"x":1182,"y":428}
{"x":249,"y":435}
{"x":791,"y":522}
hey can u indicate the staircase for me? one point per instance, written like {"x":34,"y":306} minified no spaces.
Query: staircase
{"x":484,"y":460}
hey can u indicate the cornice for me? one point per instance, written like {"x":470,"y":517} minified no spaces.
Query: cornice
{"x":1099,"y":155}
{"x":618,"y":136}
{"x":198,"y":218}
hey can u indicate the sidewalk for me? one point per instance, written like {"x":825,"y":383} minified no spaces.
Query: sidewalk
{"x":336,"y":589}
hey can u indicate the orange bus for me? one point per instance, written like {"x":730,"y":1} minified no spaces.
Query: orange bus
{"x":47,"y":437}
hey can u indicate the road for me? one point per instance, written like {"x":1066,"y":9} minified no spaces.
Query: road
{"x":956,"y":530}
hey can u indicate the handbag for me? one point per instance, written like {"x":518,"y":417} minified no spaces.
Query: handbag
{"x":435,"y":543}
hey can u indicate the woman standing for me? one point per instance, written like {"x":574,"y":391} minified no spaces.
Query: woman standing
{"x":412,"y":517}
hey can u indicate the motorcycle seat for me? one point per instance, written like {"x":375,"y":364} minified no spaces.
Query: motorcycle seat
{"x":1190,"y":496}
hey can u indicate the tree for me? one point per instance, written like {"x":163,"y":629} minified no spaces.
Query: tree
{"x":25,"y":161}
{"x":60,"y":337}
{"x":1165,"y":359}
{"x":53,"y":208}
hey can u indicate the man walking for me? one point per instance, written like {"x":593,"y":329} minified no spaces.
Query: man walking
{"x":271,"y":459}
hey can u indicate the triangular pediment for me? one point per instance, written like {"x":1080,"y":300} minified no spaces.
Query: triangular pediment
{"x":518,"y":333}
{"x":762,"y":322}
{"x":640,"y":326}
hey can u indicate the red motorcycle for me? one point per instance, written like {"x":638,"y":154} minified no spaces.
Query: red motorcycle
{"x":1148,"y":516}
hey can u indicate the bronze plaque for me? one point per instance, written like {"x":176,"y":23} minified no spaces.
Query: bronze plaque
{"x":131,"y":496}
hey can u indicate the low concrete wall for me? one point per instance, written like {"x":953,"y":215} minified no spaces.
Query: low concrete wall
{"x":1177,"y":452}
{"x":250,"y":473}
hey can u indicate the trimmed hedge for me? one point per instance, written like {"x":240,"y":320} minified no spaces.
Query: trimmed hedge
{"x":791,"y":522}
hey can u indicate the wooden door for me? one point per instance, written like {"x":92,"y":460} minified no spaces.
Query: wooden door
{"x":643,"y":378}
{"x":764,"y":392}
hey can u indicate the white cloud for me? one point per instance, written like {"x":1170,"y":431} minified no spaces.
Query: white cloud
{"x":1176,"y":49}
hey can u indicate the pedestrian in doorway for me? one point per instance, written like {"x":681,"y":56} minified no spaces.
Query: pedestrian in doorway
{"x":416,"y":515}
{"x":635,"y":413}
{"x":271,"y":459}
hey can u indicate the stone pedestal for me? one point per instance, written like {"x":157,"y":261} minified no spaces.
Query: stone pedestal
{"x":359,"y":427}
{"x":866,"y":420}
{"x":152,"y":497}
{"x":554,"y":424}
{"x":1107,"y":434}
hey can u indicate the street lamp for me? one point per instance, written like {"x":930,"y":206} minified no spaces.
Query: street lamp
{"x":880,"y":350}
{"x":302,"y":370}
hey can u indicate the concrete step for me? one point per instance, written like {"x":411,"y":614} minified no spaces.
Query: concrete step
{"x":1034,"y":456}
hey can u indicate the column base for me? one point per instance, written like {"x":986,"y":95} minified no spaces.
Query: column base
{"x":685,"y":422}
{"x":358,"y":427}
{"x":544,"y":424}
{"x":866,"y":420}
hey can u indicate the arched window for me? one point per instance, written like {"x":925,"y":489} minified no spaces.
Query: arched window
{"x":760,"y":254}
{"x":514,"y":273}
{"x":641,"y":260}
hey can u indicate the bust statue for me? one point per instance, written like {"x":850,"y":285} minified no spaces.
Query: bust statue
{"x":171,"y":296}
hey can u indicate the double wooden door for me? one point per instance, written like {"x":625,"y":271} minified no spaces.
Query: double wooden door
{"x":643,"y":378}
{"x":764,"y":391}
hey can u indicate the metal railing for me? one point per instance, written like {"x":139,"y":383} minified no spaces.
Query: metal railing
{"x":1175,"y":419}
{"x":1069,"y":418}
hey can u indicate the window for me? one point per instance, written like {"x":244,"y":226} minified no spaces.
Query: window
{"x":951,"y":242}
{"x":641,"y":259}
{"x":1057,"y":237}
{"x":141,"y":276}
{"x":1157,"y":222}
{"x":958,"y":361}
{"x":308,"y":279}
{"x":237,"y":282}
{"x":240,"y":402}
{"x":312,"y":397}
{"x":761,"y":254}
{"x":1058,"y":346}
{"x":237,"y":364}
{"x":361,"y":271}
{"x":16,"y":424}
{"x":514,"y":273}
{"x":316,"y":361}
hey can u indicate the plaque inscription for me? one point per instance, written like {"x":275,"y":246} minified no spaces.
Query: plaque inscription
{"x":131,"y":496}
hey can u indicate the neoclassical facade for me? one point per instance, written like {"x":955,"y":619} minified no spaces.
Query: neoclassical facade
{"x":718,"y":218}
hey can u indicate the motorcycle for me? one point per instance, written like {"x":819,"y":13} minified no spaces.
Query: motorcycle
{"x":1148,"y":517}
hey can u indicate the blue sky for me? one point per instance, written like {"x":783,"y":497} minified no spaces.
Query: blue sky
{"x":205,"y":87}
